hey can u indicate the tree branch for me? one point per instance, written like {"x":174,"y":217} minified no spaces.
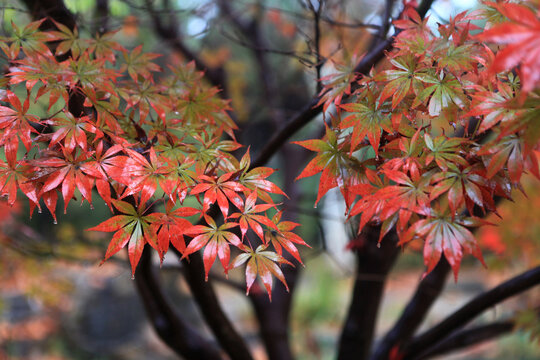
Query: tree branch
{"x":317,"y":40}
{"x":257,"y":44}
{"x":466,"y":313}
{"x":213,"y":314}
{"x":468,"y":337}
{"x":373,"y":266}
{"x":273,"y":317}
{"x":101,"y":17}
{"x":413,"y":315}
{"x":53,"y":9}
{"x":169,"y":33}
{"x":171,"y":328}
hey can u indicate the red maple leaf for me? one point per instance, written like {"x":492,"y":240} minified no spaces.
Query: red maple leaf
{"x":522,"y":37}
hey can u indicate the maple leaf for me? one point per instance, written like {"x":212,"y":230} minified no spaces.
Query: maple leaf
{"x":507,"y":151}
{"x":401,"y":81}
{"x":14,"y":175}
{"x":137,"y":63}
{"x":102,"y":164}
{"x":143,"y":176}
{"x":443,"y":233}
{"x":445,"y":91}
{"x":415,"y":35}
{"x":55,"y":77}
{"x":369,"y":205}
{"x":103,"y":46}
{"x":444,"y":150}
{"x":215,"y":240}
{"x":390,"y":203}
{"x":62,"y":171}
{"x":283,"y":237}
{"x":132,"y":229}
{"x":69,"y":40}
{"x":460,"y":185}
{"x":106,"y":108}
{"x":222,"y":190}
{"x":212,"y":152}
{"x":89,"y":74}
{"x":263,"y":263}
{"x":248,"y":218}
{"x":522,"y":37}
{"x":409,"y":195}
{"x":409,"y":161}
{"x":366,"y":119}
{"x":145,"y":95}
{"x":16,"y":123}
{"x":338,"y":84}
{"x":170,"y":227}
{"x":496,"y":107}
{"x":331,"y":160}
{"x":255,"y":179}
{"x":74,"y":131}
{"x":29,"y":39}
{"x":203,"y":108}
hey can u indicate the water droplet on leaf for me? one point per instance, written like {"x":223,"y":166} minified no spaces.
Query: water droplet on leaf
{"x":379,"y":245}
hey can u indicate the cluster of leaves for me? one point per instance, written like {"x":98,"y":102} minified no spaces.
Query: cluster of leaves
{"x":152,"y":145}
{"x":434,"y":138}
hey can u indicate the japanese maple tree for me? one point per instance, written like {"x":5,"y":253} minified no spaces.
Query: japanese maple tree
{"x":423,"y":135}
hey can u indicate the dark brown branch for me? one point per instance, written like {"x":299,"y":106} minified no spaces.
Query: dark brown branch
{"x":373,"y":266}
{"x":317,"y":39}
{"x":273,"y":317}
{"x":256,"y":43}
{"x":386,"y":18}
{"x":53,"y":9}
{"x":469,"y":311}
{"x":172,"y":329}
{"x":413,"y":315}
{"x":101,"y":17}
{"x":468,"y":337}
{"x":213,"y":314}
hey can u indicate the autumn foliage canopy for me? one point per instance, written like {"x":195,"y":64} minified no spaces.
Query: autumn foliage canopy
{"x":426,"y":144}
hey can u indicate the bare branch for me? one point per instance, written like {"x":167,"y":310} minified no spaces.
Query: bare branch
{"x":213,"y":313}
{"x":257,"y":44}
{"x":317,"y":40}
{"x":413,"y":315}
{"x":170,"y":33}
{"x":469,"y":337}
{"x":101,"y":17}
{"x":54,"y":9}
{"x":169,"y":325}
